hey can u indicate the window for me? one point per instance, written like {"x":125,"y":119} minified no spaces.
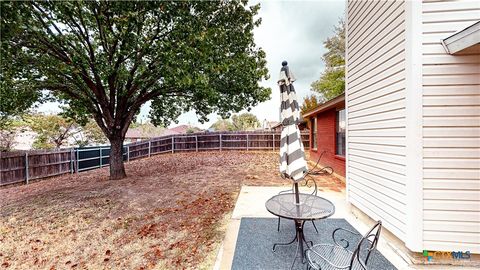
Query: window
{"x":340,"y":133}
{"x":314,"y":133}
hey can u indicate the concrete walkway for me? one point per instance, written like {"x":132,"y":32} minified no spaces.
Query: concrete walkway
{"x":251,"y":203}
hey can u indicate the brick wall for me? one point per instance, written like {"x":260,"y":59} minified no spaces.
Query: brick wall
{"x":326,"y":142}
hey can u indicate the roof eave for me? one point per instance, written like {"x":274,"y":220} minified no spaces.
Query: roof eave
{"x":325,"y":106}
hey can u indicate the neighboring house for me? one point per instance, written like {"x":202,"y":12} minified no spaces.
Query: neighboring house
{"x":327,"y":134}
{"x":269,"y":125}
{"x":277,"y":127}
{"x":184,"y":129}
{"x":148,"y":132}
{"x":413,"y":120}
{"x":24,"y":138}
{"x":140,"y":134}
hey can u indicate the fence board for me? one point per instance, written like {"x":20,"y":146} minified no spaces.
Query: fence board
{"x":21,"y":166}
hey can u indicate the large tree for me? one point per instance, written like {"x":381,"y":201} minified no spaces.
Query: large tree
{"x":332,"y":80}
{"x":240,"y":122}
{"x":245,"y":121}
{"x":222,"y":125}
{"x":104,"y":59}
{"x":53,"y":131}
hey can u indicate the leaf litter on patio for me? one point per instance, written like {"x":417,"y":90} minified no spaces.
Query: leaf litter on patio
{"x":169,"y":213}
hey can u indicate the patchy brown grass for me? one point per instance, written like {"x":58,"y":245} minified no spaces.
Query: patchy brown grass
{"x":169,"y":213}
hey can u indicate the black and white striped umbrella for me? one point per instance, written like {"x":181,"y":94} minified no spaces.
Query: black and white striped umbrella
{"x":292,"y":156}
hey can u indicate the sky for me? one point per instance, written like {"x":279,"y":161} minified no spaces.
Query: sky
{"x":290,"y":30}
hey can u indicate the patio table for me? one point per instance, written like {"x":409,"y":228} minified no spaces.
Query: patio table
{"x":310,"y":207}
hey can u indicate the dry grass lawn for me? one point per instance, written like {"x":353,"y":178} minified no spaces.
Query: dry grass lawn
{"x":169,"y":213}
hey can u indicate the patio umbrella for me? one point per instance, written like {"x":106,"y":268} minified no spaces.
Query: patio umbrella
{"x":292,"y":155}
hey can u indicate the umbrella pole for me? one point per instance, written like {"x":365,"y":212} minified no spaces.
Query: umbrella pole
{"x":297,"y":196}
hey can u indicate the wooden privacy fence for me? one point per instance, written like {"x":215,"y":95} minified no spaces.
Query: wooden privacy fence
{"x":22,"y":166}
{"x":18,"y":167}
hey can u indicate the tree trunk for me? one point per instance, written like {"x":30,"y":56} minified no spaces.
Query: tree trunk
{"x":117,"y":169}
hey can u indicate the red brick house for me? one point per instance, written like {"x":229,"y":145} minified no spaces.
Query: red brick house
{"x":327,"y":134}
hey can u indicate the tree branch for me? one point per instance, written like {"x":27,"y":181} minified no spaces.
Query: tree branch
{"x":96,"y":12}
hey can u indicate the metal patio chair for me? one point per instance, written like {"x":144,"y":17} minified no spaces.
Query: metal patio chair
{"x":314,"y":192}
{"x":337,"y":256}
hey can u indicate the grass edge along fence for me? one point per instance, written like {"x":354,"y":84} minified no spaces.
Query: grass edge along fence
{"x":25,"y":166}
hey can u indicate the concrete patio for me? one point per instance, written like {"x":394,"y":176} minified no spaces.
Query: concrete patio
{"x":251,"y":203}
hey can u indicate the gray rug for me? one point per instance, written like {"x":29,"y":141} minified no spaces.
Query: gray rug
{"x":257,"y":235}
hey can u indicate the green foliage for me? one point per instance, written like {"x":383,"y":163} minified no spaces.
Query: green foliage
{"x":245,"y":121}
{"x":223,"y":125}
{"x":14,"y":100}
{"x":16,"y":95}
{"x":105,"y":59}
{"x":9,"y":129}
{"x":309,"y":103}
{"x":332,"y":80}
{"x":192,"y":129}
{"x":90,"y":134}
{"x":52,"y":131}
{"x":147,"y":129}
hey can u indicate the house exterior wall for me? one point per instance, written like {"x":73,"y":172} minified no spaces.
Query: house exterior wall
{"x":376,"y":114}
{"x":413,"y":122}
{"x":326,"y":144}
{"x":451,"y":131}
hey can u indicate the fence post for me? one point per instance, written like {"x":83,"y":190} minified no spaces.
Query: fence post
{"x":247,"y":141}
{"x":78,"y":162}
{"x":273,"y":141}
{"x":196,"y":143}
{"x":128,"y":153}
{"x":173,"y":144}
{"x":71,"y":161}
{"x":101,"y":161}
{"x":220,"y":138}
{"x":149,"y":148}
{"x":26,"y":167}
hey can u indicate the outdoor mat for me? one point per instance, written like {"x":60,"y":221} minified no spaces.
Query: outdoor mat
{"x":257,"y":236}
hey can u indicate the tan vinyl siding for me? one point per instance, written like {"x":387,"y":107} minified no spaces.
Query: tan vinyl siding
{"x":451,"y":131}
{"x":376,"y":111}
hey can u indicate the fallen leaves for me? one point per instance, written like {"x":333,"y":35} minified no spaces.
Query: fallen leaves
{"x":147,"y":230}
{"x":166,"y":214}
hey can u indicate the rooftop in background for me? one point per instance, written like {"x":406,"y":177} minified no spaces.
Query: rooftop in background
{"x":183,"y":129}
{"x":142,"y":132}
{"x":270,"y":125}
